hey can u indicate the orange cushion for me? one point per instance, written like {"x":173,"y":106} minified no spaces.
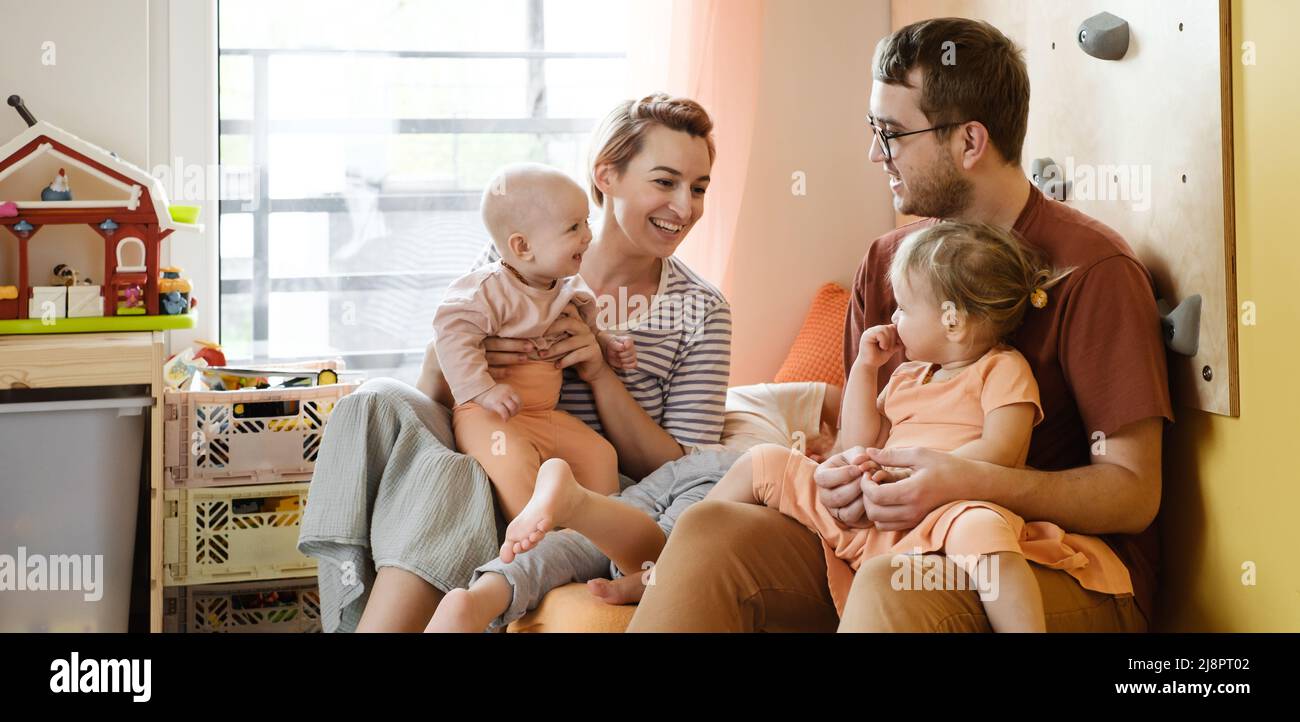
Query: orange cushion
{"x":818,"y":350}
{"x":571,"y":608}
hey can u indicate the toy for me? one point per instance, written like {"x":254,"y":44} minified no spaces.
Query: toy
{"x":210,"y":352}
{"x":128,"y":212}
{"x":184,"y":214}
{"x":131,"y":301}
{"x":175,"y":298}
{"x":8,"y":302}
{"x":178,"y":369}
{"x":58,"y":190}
{"x":65,"y":275}
{"x":172,"y":304}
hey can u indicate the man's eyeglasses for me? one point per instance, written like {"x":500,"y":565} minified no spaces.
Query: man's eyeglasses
{"x":885,"y":136}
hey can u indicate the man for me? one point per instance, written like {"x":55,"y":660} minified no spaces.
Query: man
{"x":949,"y":122}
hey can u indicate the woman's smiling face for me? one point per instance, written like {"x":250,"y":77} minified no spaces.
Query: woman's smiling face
{"x":660,"y":196}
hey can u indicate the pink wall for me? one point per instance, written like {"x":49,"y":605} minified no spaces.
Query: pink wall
{"x":812,"y":107}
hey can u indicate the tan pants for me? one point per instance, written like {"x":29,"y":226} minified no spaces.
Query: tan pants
{"x":732,"y":567}
{"x":512,"y":451}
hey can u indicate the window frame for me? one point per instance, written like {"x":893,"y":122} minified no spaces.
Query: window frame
{"x":259,"y":128}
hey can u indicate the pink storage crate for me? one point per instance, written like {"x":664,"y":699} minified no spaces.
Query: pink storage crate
{"x":231,"y":438}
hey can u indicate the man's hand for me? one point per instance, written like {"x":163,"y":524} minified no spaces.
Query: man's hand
{"x":838,"y":488}
{"x":500,"y":399}
{"x":878,"y":345}
{"x":918,"y":481}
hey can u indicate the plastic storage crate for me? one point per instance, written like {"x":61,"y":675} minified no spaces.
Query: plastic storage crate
{"x":232,"y":438}
{"x":285,"y":605}
{"x":222,"y":534}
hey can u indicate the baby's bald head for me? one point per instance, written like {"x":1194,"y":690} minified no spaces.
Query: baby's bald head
{"x":527,"y":198}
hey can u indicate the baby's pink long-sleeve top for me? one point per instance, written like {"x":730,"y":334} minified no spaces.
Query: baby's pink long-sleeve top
{"x":492,"y":301}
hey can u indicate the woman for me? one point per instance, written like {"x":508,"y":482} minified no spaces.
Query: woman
{"x":428,"y":525}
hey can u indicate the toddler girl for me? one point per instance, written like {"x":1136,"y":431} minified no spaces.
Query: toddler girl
{"x":961,"y":291}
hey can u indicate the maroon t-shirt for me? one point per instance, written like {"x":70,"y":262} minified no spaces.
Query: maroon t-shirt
{"x":1096,"y":348}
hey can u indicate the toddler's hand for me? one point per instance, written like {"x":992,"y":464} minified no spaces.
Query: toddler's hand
{"x":500,"y":399}
{"x":819,"y":447}
{"x":620,"y":352}
{"x":878,"y":345}
{"x":886,"y":474}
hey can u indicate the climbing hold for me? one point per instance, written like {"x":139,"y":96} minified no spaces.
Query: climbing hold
{"x":1104,"y":36}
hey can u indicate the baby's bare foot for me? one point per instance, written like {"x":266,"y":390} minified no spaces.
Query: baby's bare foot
{"x":555,"y":496}
{"x":458,"y":612}
{"x":624,"y":590}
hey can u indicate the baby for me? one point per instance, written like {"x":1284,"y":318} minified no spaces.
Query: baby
{"x":537,"y":217}
{"x":961,"y":291}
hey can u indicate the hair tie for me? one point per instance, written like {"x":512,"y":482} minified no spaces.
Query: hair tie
{"x":1038,"y":298}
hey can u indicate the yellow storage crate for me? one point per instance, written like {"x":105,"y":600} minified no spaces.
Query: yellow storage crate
{"x":223,"y":534}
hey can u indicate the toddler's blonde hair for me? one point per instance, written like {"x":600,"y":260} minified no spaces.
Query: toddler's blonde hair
{"x":987,"y":273}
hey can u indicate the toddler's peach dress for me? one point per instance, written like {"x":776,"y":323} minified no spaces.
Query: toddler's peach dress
{"x":941,"y":415}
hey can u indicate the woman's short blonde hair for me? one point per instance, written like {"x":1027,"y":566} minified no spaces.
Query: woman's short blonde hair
{"x":987,"y":273}
{"x":621,"y":135}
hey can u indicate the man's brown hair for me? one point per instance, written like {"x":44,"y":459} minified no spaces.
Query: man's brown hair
{"x":986,"y":79}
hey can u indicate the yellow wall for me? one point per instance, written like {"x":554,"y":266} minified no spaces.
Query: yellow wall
{"x":1231,"y":485}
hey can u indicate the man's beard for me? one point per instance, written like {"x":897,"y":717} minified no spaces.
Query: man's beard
{"x":942,"y":193}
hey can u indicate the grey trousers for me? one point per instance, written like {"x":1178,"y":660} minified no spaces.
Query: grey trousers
{"x":566,"y":556}
{"x":389,"y":490}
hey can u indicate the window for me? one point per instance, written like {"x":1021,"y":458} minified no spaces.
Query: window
{"x":355,"y":141}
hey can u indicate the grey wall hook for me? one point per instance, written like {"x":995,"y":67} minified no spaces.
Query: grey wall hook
{"x":1048,"y":177}
{"x":1181,"y":324}
{"x":1104,"y":36}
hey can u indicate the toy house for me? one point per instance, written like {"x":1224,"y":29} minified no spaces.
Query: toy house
{"x":81,"y":239}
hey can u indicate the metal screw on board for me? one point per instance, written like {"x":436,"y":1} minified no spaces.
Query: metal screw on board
{"x":1207,"y":373}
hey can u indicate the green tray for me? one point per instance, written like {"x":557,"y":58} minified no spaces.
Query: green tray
{"x":97,"y":323}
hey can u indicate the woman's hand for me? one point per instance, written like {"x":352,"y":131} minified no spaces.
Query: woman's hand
{"x":502,"y":353}
{"x":580,"y":349}
{"x":839,"y":489}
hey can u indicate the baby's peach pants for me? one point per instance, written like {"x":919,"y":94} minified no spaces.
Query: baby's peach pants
{"x":512,"y":451}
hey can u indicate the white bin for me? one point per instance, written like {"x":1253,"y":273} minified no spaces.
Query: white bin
{"x":69,"y":489}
